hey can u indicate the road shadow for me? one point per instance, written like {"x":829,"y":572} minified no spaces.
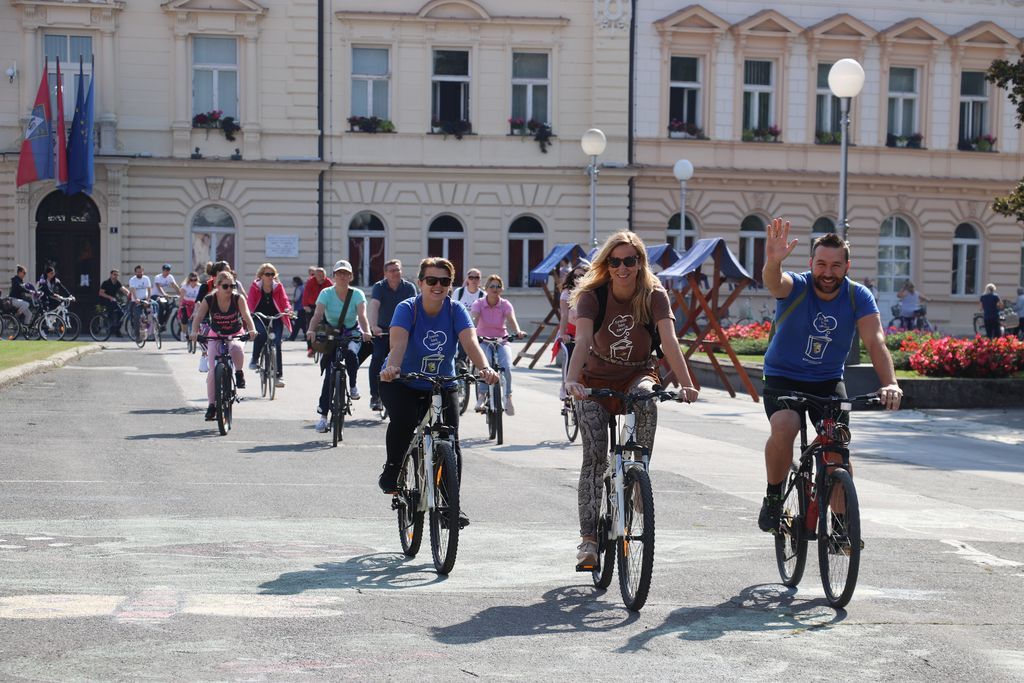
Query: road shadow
{"x":192,"y":434}
{"x":289,"y":447}
{"x":364,"y":422}
{"x":180,"y":410}
{"x":560,"y":445}
{"x":561,"y":610}
{"x":374,"y":571}
{"x":763,"y":608}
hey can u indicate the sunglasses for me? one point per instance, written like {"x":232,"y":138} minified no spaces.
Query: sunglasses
{"x":226,"y":286}
{"x":434,"y":281}
{"x":472,"y":277}
{"x":629,"y":261}
{"x":495,"y":286}
{"x":269,"y":274}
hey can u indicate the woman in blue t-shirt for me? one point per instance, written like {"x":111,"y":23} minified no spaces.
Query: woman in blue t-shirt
{"x":425,"y":332}
{"x":991,"y":307}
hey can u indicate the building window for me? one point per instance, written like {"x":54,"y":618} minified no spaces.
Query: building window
{"x":212,"y":237}
{"x":371,"y":79}
{"x":823,"y":226}
{"x":445,"y":238}
{"x":681,"y":241}
{"x":525,"y":249}
{"x":966,"y":248}
{"x":758,"y":91}
{"x":684,"y":91}
{"x":215,"y":75}
{"x":902,"y":105}
{"x":973,"y":108}
{"x":68,"y":49}
{"x":531,"y":82}
{"x":895,"y":246}
{"x":826,"y":124}
{"x":752,"y":247}
{"x":366,"y":248}
{"x":450,"y":83}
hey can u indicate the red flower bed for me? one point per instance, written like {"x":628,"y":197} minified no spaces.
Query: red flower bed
{"x":978,"y":357}
{"x":753,"y":331}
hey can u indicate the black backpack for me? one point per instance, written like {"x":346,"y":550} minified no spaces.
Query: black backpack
{"x":602,"y":305}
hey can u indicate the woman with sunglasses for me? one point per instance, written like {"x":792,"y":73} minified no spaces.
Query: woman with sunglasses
{"x":566,"y":339}
{"x":423,"y":336}
{"x":268,"y":296}
{"x":493,"y":315}
{"x":617,"y":356}
{"x":228,"y":313}
{"x":189,"y":294}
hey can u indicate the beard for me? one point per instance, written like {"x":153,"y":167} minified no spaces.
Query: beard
{"x":827,"y":287}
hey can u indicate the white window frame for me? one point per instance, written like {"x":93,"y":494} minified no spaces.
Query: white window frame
{"x":216,"y":68}
{"x":676,"y":237}
{"x":830,"y":104}
{"x":757,"y":92}
{"x":890,"y":284}
{"x":68,"y":68}
{"x":970,"y":100}
{"x":530,"y":83}
{"x":694,"y":86}
{"x":902,"y":99}
{"x":373,"y":81}
{"x":962,"y":247}
{"x":467,"y":82}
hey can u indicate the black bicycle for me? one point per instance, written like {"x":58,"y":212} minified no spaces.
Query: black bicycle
{"x":101,"y":326}
{"x":820,"y":500}
{"x":341,"y":401}
{"x":429,"y":479}
{"x":225,"y":395}
{"x":266,"y":364}
{"x":494,"y":401}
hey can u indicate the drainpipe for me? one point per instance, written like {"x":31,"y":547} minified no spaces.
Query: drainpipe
{"x":631,"y":140}
{"x":320,"y":129}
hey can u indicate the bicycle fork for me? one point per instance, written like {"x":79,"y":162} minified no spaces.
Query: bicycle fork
{"x":618,"y":469}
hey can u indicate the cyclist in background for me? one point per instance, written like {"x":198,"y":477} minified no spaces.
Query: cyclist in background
{"x":387,"y":293}
{"x":910,"y":305}
{"x":268,"y":296}
{"x":111,"y":290}
{"x":316,"y":283}
{"x":189,"y":293}
{"x":52,"y":289}
{"x":491,"y":314}
{"x":21,"y":294}
{"x":567,"y":315}
{"x":821,"y":309}
{"x":161,"y":284}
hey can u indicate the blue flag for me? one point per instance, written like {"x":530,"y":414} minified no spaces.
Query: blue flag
{"x":81,"y":174}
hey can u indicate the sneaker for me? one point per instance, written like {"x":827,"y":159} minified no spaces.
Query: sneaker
{"x":211,"y":413}
{"x":509,"y":408}
{"x":239,"y":379}
{"x":321,"y":425}
{"x":771,"y":513}
{"x":480,"y":400}
{"x":309,"y":353}
{"x":204,"y":364}
{"x":279,"y":383}
{"x":252,"y":365}
{"x":586,"y":558}
{"x":463,"y":520}
{"x":376,"y":405}
{"x":388,"y":479}
{"x":354,"y":393}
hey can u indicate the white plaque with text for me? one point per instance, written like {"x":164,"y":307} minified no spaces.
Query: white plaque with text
{"x":282,"y":246}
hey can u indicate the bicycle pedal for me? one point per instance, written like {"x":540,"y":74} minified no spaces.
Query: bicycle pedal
{"x":397,"y":503}
{"x":586,"y":567}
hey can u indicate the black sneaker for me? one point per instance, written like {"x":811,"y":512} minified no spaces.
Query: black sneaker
{"x":771,"y":513}
{"x":463,"y":520}
{"x":239,"y":379}
{"x":211,"y":413}
{"x":388,"y":479}
{"x":376,"y":405}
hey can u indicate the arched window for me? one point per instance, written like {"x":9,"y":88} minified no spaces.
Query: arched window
{"x":752,"y":246}
{"x":895,"y":249}
{"x":681,"y":241}
{"x":966,"y":249}
{"x":212,"y":237}
{"x":821,"y":227}
{"x":525,"y":249}
{"x":445,"y":238}
{"x":366,"y":248}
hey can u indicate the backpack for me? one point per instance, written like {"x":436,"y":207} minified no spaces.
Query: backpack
{"x":602,"y":306}
{"x":457,"y":294}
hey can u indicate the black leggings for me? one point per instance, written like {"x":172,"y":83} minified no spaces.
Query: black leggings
{"x":406,"y":407}
{"x":351,"y":366}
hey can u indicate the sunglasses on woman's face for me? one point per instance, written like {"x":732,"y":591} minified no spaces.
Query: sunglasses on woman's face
{"x":495,"y":286}
{"x":629,"y":261}
{"x":226,"y":286}
{"x":434,"y":281}
{"x":268,"y":275}
{"x":472,"y":277}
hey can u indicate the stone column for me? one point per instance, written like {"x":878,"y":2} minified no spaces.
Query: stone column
{"x":107,"y":119}
{"x":181,"y":125}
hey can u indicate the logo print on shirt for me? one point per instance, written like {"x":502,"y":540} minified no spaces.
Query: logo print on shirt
{"x":433,"y":340}
{"x":817,"y":345}
{"x":620,"y":327}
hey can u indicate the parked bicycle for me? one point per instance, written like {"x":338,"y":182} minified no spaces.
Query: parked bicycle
{"x":46,"y":325}
{"x":494,"y":399}
{"x":917,"y":321}
{"x":341,"y":401}
{"x":820,"y":500}
{"x":101,"y":326}
{"x":144,"y":325}
{"x":72,"y":323}
{"x":266,"y":364}
{"x":225,"y":394}
{"x":428,"y":482}
{"x":625,"y":522}
{"x":1009,"y":322}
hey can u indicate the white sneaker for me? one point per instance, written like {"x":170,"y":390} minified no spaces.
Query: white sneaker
{"x":509,"y":410}
{"x":321,"y":425}
{"x":354,"y":393}
{"x":279,"y":383}
{"x":204,"y":364}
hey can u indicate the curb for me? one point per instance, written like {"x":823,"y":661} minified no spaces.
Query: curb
{"x":58,"y":360}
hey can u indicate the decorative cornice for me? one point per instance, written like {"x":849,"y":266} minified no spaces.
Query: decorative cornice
{"x":692,"y":19}
{"x":768,"y":22}
{"x":914,"y":31}
{"x":96,"y":14}
{"x":458,"y":12}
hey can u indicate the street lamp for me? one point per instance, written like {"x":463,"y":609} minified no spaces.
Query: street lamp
{"x":593,"y":143}
{"x":683,"y":171}
{"x":845,"y":80}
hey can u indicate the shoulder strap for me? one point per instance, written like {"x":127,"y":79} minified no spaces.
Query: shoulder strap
{"x":457,"y":294}
{"x":344,"y":310}
{"x":601,"y":292}
{"x":785,"y":314}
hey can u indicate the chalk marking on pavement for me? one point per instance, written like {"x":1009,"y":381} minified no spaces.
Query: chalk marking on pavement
{"x":153,"y":483}
{"x":161,"y":603}
{"x":979,"y":557}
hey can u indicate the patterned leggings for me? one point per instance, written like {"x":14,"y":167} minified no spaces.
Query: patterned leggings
{"x":593,"y":420}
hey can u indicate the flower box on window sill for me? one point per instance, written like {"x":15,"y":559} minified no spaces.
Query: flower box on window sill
{"x":982,"y":143}
{"x":681,"y":135}
{"x":215,"y":119}
{"x":828,"y":138}
{"x":446,"y":128}
{"x":910,"y":141}
{"x":769,"y":134}
{"x":370,"y":124}
{"x":684,"y":130}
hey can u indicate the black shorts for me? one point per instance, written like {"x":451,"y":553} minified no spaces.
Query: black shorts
{"x":831,"y":387}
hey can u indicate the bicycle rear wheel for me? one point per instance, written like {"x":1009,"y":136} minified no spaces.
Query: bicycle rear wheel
{"x":222,"y":390}
{"x":839,"y":538}
{"x":74,"y":326}
{"x":52,"y":327}
{"x":602,"y":573}
{"x":10,"y":328}
{"x":464,"y":390}
{"x":174,"y":325}
{"x":572,"y":427}
{"x":444,"y":517}
{"x":791,"y":539}
{"x":636,"y":547}
{"x":99,"y":327}
{"x":410,"y":518}
{"x":159,"y":336}
{"x":338,"y":400}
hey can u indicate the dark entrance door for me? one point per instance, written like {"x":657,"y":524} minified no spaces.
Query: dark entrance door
{"x":68,"y":238}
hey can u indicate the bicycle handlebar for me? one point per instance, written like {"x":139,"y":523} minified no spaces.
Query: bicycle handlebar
{"x":498,"y":340}
{"x":658,"y":393}
{"x":863,"y":402}
{"x":210,"y":337}
{"x":339,"y":337}
{"x":436,"y":380}
{"x":264,"y":316}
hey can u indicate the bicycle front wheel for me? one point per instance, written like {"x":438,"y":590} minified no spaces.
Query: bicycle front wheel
{"x":338,"y":407}
{"x":839,"y":538}
{"x":499,"y":410}
{"x":10,"y":328}
{"x":636,"y":547}
{"x":264,"y":374}
{"x":222,"y":390}
{"x":74,"y":327}
{"x":159,"y":336}
{"x":174,"y":323}
{"x":140,"y":331}
{"x":444,"y":517}
{"x":791,"y":539}
{"x":572,"y":427}
{"x":99,"y":327}
{"x":410,"y":517}
{"x":464,"y":389}
{"x":271,"y":373}
{"x":602,"y":573}
{"x":52,"y":327}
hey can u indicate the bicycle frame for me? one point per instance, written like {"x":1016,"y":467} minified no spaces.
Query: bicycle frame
{"x":490,"y":346}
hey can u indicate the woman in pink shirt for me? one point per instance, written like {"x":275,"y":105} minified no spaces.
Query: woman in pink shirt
{"x":490,"y":315}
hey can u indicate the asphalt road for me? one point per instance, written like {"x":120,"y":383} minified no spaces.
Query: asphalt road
{"x":135,"y":543}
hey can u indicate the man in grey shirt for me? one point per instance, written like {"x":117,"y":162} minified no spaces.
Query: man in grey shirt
{"x":387,"y":293}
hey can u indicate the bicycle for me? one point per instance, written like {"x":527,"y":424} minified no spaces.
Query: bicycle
{"x":225,"y":395}
{"x":462,"y":368}
{"x":143,"y":325}
{"x":428,"y":481}
{"x":168,"y":305}
{"x":570,"y":416}
{"x":100,"y":326}
{"x":1009,"y":323}
{"x":266,"y":365}
{"x":820,"y":500}
{"x":917,"y":321}
{"x":341,"y":402}
{"x":72,"y":323}
{"x":494,"y":399}
{"x":45,"y":325}
{"x":627,"y":504}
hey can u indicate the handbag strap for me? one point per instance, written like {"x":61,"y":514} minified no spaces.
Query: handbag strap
{"x":344,"y":310}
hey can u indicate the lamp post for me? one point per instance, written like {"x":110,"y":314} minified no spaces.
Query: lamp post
{"x":683,"y":171}
{"x":593,"y":143}
{"x":845,"y":80}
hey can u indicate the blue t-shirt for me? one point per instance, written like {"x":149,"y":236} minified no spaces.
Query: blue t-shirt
{"x":333,"y":305}
{"x":812,"y":342}
{"x":389,"y":298}
{"x":432,"y":340}
{"x":990,"y":306}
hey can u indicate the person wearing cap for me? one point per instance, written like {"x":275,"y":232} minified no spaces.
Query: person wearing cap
{"x":317,"y":282}
{"x":329,"y":305}
{"x":162,"y":283}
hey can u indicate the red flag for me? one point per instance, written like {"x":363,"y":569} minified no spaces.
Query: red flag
{"x":36,"y":159}
{"x":60,"y":141}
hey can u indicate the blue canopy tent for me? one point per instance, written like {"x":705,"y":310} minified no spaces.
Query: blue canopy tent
{"x":698,"y":301}
{"x":558,"y":261}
